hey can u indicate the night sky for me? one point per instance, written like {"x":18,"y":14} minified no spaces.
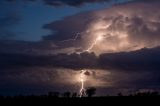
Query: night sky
{"x":45,"y":45}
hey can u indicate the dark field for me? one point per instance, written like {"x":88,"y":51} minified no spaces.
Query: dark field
{"x":132,"y":100}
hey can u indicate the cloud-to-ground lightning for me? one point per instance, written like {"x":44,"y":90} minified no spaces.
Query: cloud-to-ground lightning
{"x":99,"y":38}
{"x":82,"y":91}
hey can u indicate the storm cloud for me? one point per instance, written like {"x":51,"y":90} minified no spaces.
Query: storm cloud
{"x":77,"y":3}
{"x":124,"y":27}
{"x":73,"y":3}
{"x":140,"y":60}
{"x":109,"y":70}
{"x":128,"y":56}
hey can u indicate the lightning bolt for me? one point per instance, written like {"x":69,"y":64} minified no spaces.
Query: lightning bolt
{"x":99,"y":38}
{"x":73,"y":39}
{"x":82,"y":91}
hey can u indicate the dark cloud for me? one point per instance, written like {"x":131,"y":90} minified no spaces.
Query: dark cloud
{"x":26,"y":47}
{"x":136,"y":69}
{"x":72,"y":2}
{"x":72,"y":61}
{"x":16,"y":0}
{"x":62,"y":32}
{"x":78,"y":3}
{"x":141,"y":60}
{"x":87,"y":73}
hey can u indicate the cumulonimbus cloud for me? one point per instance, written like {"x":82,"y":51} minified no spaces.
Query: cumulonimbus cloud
{"x":117,"y":70}
{"x":140,"y":60}
{"x":124,"y":27}
{"x":132,"y":64}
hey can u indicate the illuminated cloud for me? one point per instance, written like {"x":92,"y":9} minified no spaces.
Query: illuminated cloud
{"x":125,"y":38}
{"x":127,"y":28}
{"x":43,"y":79}
{"x":130,"y":70}
{"x":124,"y":27}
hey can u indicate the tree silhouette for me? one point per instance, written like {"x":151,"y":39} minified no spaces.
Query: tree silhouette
{"x":120,"y":94}
{"x":74,"y":94}
{"x":66,"y":94}
{"x":90,"y":91}
{"x":53,"y":94}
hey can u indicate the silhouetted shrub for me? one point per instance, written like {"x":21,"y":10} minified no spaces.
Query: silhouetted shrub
{"x":91,"y":91}
{"x":66,"y":94}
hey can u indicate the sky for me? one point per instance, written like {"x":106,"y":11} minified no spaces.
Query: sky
{"x":45,"y":45}
{"x":32,"y":16}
